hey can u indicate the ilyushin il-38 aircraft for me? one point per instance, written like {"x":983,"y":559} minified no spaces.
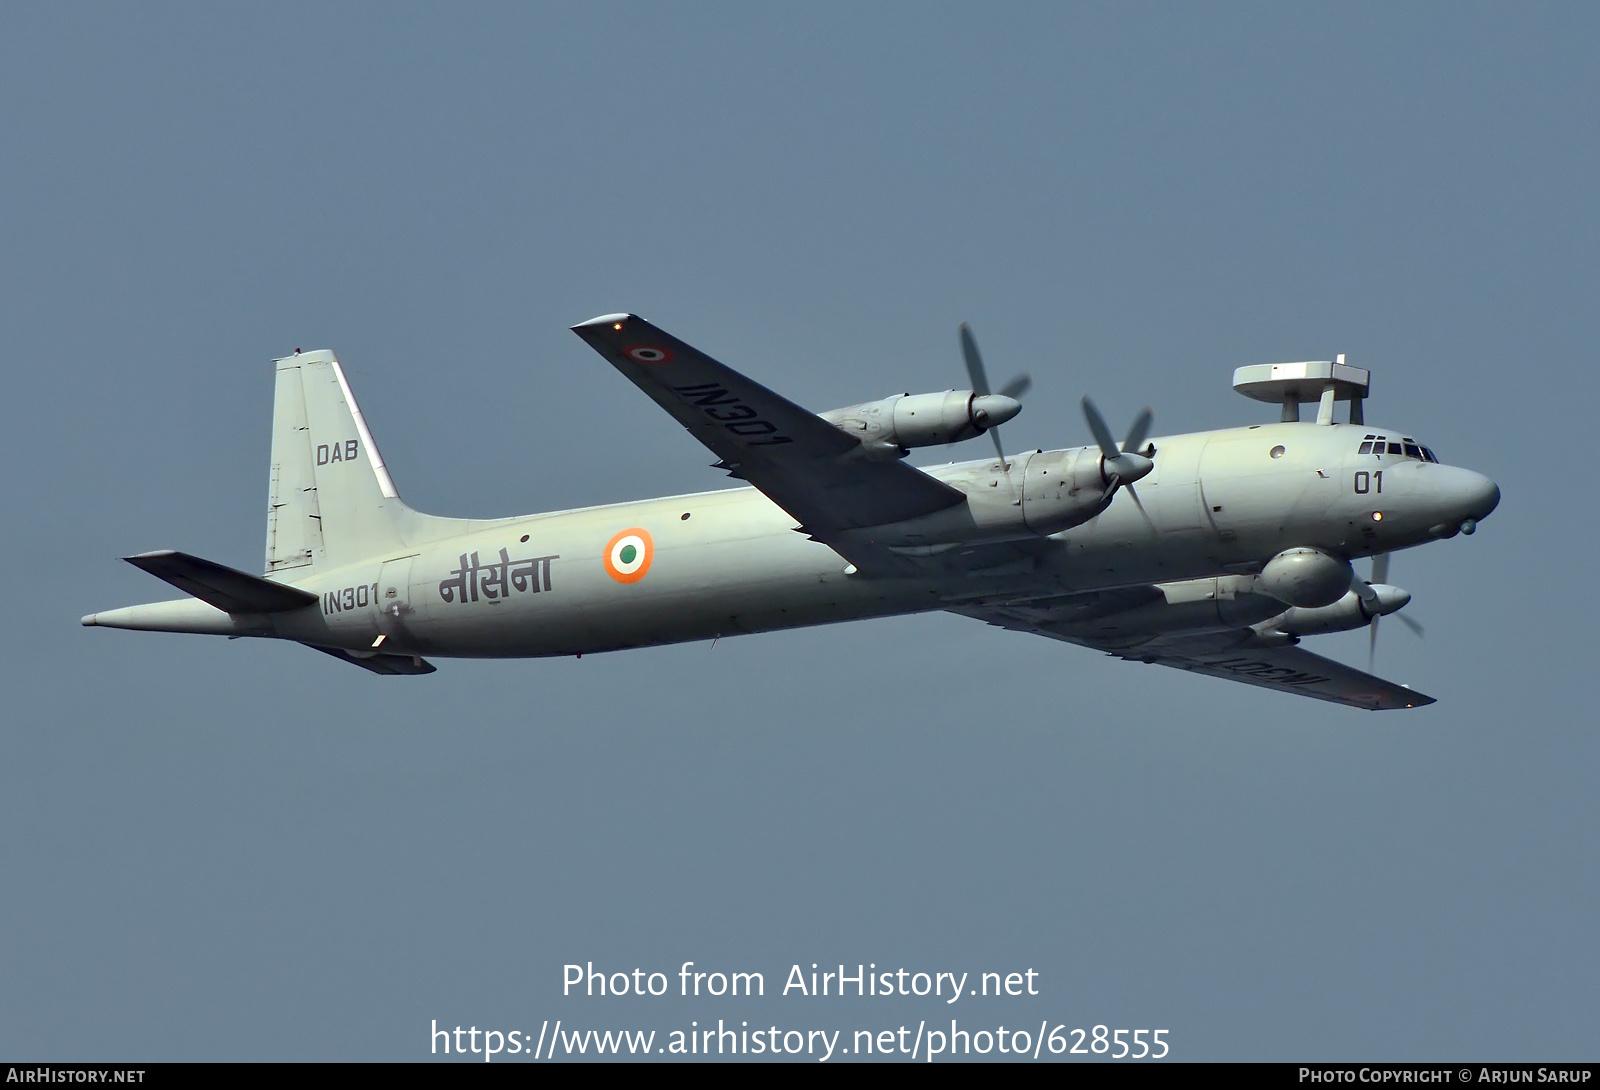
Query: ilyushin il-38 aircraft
{"x":1213,"y":552}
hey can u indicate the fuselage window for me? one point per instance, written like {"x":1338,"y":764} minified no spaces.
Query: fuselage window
{"x":1366,"y":448}
{"x":1413,"y":450}
{"x":1428,"y":454}
{"x":1394,"y":448}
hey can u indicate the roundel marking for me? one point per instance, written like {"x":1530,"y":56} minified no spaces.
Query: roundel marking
{"x":628,"y":555}
{"x":647,"y":353}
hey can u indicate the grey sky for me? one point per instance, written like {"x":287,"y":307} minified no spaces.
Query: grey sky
{"x":220,"y":849}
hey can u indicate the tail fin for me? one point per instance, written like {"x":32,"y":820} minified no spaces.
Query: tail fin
{"x":332,"y":501}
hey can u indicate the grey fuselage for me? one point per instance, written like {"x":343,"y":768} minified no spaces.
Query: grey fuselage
{"x":730,"y":561}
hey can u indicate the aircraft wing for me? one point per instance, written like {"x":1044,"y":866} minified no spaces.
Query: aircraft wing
{"x":801,"y":462}
{"x":1234,"y":655}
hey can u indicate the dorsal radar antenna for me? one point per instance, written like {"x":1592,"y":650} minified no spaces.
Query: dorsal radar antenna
{"x":1294,"y":384}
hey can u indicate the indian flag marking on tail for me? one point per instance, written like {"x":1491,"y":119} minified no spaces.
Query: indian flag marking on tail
{"x":628,"y":555}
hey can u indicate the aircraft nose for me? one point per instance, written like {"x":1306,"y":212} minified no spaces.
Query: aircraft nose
{"x":1468,"y":495}
{"x":1482,"y":494}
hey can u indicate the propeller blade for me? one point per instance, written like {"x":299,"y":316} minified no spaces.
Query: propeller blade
{"x":1372,"y":639}
{"x":1017,"y":386}
{"x":1380,"y":574}
{"x":1119,"y":467}
{"x":1102,"y":434}
{"x":1364,"y":590}
{"x":980,"y":387}
{"x":975,"y":371}
{"x":1137,"y":433}
{"x":1137,"y":502}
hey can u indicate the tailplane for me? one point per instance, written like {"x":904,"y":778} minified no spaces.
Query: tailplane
{"x":229,"y":590}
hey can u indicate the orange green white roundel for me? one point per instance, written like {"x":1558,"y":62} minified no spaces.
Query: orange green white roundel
{"x":648,"y":353}
{"x":628,"y":555}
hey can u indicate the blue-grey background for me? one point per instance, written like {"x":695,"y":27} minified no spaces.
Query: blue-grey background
{"x":218,"y":849}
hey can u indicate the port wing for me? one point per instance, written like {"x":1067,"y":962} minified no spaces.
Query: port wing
{"x":804,"y":464}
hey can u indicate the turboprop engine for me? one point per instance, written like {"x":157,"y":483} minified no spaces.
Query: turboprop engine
{"x":1304,"y":577}
{"x":1032,"y":495}
{"x":890,"y":427}
{"x":1029,"y":495}
{"x":1350,"y":612}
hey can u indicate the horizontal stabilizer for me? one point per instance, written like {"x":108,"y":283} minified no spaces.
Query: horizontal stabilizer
{"x":381,"y":664}
{"x":229,"y":590}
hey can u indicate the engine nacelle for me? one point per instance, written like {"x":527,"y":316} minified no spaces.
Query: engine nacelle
{"x":1062,"y":489}
{"x":1347,"y":613}
{"x":1042,"y":493}
{"x":892,"y":426}
{"x":1304,"y":577}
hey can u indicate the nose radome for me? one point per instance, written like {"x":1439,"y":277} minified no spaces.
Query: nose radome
{"x":1460,"y":496}
{"x":1482,"y":494}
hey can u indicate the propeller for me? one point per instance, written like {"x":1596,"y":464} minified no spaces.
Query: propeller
{"x":1380,"y":574}
{"x":1121,"y":466}
{"x":987,"y":403}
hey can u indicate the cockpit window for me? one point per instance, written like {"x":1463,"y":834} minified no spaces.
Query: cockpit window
{"x":1410,"y":448}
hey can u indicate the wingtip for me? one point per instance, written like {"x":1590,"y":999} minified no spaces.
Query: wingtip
{"x":153,"y":554}
{"x":604,"y":319}
{"x":89,"y":620}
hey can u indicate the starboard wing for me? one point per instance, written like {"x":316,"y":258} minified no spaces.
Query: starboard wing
{"x":1234,"y":655}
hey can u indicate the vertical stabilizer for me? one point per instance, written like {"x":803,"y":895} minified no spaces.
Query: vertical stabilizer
{"x":331,"y":499}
